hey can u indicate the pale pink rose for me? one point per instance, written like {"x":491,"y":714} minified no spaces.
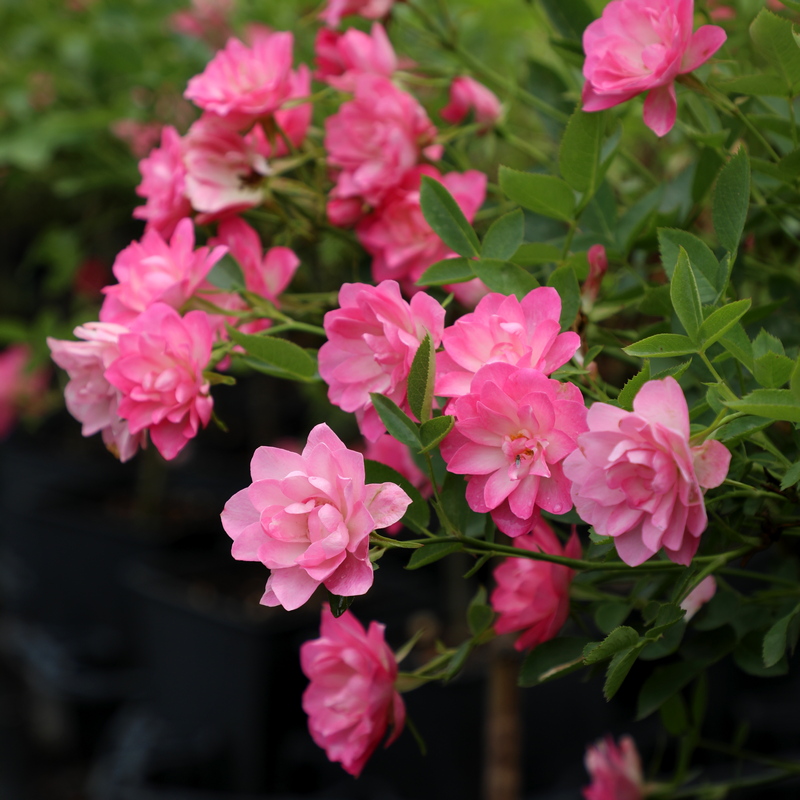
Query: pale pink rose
{"x":525,"y":333}
{"x":206,"y":20}
{"x":397,"y":236}
{"x":598,"y":265}
{"x":159,"y":373}
{"x":371,"y":9}
{"x":636,"y":477}
{"x":512,"y":432}
{"x":375,"y":138}
{"x":243,"y":83}
{"x":372,"y":340}
{"x":141,"y":137}
{"x":351,"y":701}
{"x":292,"y":119}
{"x":308,"y":518}
{"x":616,"y":771}
{"x":225,"y":171}
{"x":532,"y":597}
{"x":163,"y":185}
{"x":642,"y":46}
{"x":699,"y":596}
{"x":89,"y":396}
{"x":466,"y":95}
{"x":341,"y":57}
{"x":21,"y":388}
{"x":152,"y":271}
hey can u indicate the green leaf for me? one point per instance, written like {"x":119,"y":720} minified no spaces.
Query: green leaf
{"x":779,"y":404}
{"x":663,"y":684}
{"x":505,"y":236}
{"x":579,"y":155}
{"x":704,"y":264}
{"x":631,"y":388}
{"x":794,"y":381}
{"x":773,"y":370}
{"x":720,"y":321}
{"x":447,"y":219}
{"x":429,"y":553}
{"x":458,"y":659}
{"x":618,"y":670}
{"x":611,"y":615}
{"x":739,"y":429}
{"x":749,"y":657}
{"x":755,"y":85}
{"x":569,"y":17}
{"x":434,"y":430}
{"x":772,"y":36}
{"x":418,"y":514}
{"x":544,"y":194}
{"x":738,"y":344}
{"x":565,"y":282}
{"x":552,"y":659}
{"x":479,"y":614}
{"x":662,"y":345}
{"x":674,"y":715}
{"x":449,"y":270}
{"x":792,"y":476}
{"x":226,"y":274}
{"x":530,"y":255}
{"x":668,"y":615}
{"x":637,"y":218}
{"x":731,"y":199}
{"x":421,"y":378}
{"x":339,"y":604}
{"x":775,"y":645}
{"x":276,"y":356}
{"x":397,"y":422}
{"x":685,"y":296}
{"x":619,"y":639}
{"x":505,"y":277}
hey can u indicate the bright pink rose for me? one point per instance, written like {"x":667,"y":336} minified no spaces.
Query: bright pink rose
{"x":616,"y":771}
{"x":532,"y":597}
{"x":371,"y":9}
{"x":152,"y":271}
{"x":159,"y":372}
{"x":21,"y":388}
{"x":402,"y":244}
{"x":372,"y":340}
{"x":351,"y":700}
{"x":308,"y":518}
{"x":224,"y":170}
{"x":598,"y":265}
{"x":511,"y":435}
{"x":341,"y":57}
{"x":525,"y":333}
{"x":243,"y":83}
{"x":466,"y":95}
{"x":375,"y":138}
{"x":636,"y":477}
{"x":294,"y":119}
{"x":163,"y":185}
{"x":642,"y":46}
{"x":699,"y":596}
{"x":90,"y":398}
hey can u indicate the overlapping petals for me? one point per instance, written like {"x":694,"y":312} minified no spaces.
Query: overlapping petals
{"x":342,"y":57}
{"x":616,"y":771}
{"x":371,"y":9}
{"x":466,"y":95}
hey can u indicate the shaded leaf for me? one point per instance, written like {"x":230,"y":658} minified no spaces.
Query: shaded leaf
{"x":421,"y":378}
{"x":446,"y":218}
{"x":544,"y":194}
{"x":505,"y":236}
{"x":731,"y":198}
{"x":449,"y":270}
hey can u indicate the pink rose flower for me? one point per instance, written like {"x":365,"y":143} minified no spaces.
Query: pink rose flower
{"x":398,"y":237}
{"x":372,"y":340}
{"x":21,"y":388}
{"x":636,"y":477}
{"x":699,"y":596}
{"x":616,"y":771}
{"x":351,"y":700}
{"x":502,"y":328}
{"x":511,"y":435}
{"x":205,"y":19}
{"x":243,"y":83}
{"x":642,"y":46}
{"x":308,"y":518}
{"x":532,"y":597}
{"x":375,"y":138}
{"x":140,"y":136}
{"x":466,"y":95}
{"x":341,"y":57}
{"x":163,"y":185}
{"x":294,"y":119}
{"x":598,"y":266}
{"x":89,"y":396}
{"x":152,"y":271}
{"x":225,"y":171}
{"x":159,"y":373}
{"x":371,"y":9}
